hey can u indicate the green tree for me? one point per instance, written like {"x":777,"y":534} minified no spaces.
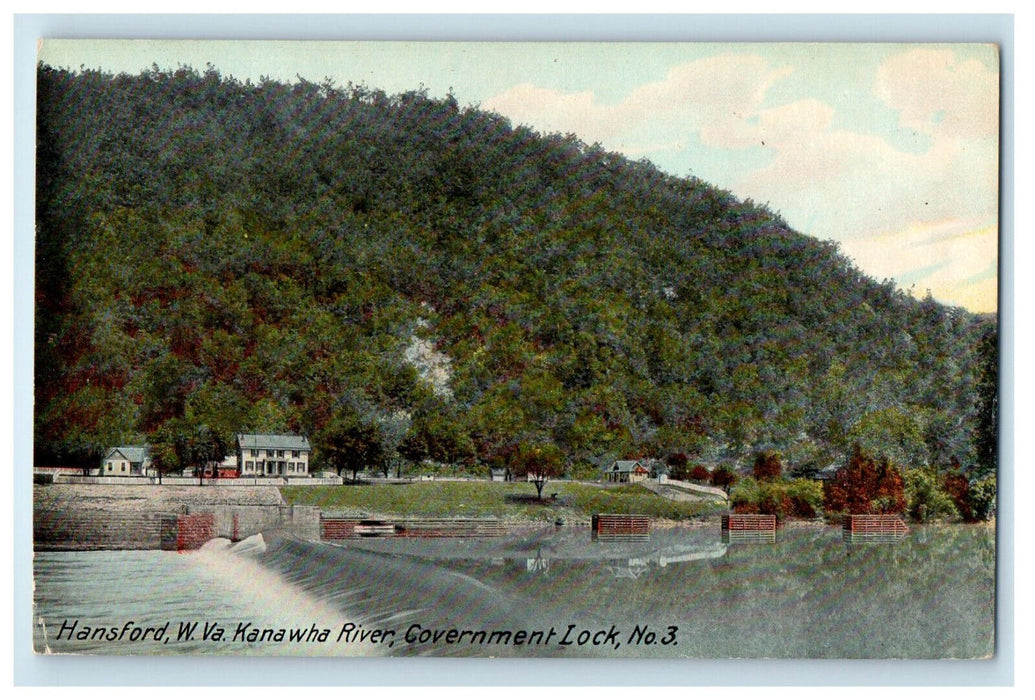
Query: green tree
{"x":986,"y":433}
{"x":983,"y":498}
{"x":206,"y":449}
{"x":926,"y":498}
{"x":537,"y":462}
{"x":350,"y":443}
{"x":893,"y":432}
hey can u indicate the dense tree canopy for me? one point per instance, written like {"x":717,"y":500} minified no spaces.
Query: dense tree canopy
{"x":252,"y":257}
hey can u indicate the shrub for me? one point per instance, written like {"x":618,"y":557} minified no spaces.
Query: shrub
{"x":771,"y":498}
{"x":723,"y":477}
{"x":700,"y":473}
{"x":982,"y":498}
{"x":745,"y":495}
{"x":957,"y":487}
{"x":677,"y":466}
{"x":767,"y":466}
{"x":926,"y":500}
{"x":806,"y":498}
{"x":864,"y":486}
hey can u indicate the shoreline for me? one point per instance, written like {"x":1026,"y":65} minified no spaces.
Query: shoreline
{"x":129,"y":518}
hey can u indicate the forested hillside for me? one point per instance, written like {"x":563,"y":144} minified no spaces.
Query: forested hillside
{"x":216,"y":256}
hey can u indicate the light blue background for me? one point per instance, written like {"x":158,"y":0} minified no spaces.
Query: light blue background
{"x":37,"y":670}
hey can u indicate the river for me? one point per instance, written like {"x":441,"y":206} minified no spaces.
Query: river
{"x":542,"y":592}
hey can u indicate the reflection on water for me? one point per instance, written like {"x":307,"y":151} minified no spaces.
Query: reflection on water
{"x":809,"y":595}
{"x":683,"y":593}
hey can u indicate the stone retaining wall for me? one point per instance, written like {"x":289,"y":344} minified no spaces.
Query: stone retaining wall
{"x":71,"y":529}
{"x":128,"y":517}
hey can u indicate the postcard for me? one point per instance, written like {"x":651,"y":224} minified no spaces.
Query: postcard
{"x":578,"y":350}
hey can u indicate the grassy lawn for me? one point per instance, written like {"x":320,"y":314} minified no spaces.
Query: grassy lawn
{"x":484,"y":499}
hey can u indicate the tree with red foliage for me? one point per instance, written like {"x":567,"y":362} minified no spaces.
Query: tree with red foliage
{"x":957,"y":485}
{"x":699,"y":472}
{"x":723,"y":478}
{"x":865,"y":486}
{"x":767,"y":466}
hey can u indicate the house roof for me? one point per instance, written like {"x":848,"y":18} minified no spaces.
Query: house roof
{"x":828,"y":472}
{"x":625,"y":465}
{"x":248,"y":441}
{"x":131,"y":453}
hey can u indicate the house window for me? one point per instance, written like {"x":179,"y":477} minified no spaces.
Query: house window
{"x":294,"y":453}
{"x":123,"y":466}
{"x":255,"y":453}
{"x":291,"y":466}
{"x":280,"y":453}
{"x":249,"y":465}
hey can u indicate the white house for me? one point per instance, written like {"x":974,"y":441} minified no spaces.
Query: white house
{"x":273,"y":455}
{"x":129,"y":460}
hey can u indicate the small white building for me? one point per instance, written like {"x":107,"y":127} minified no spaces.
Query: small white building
{"x":273,"y":455}
{"x":128,"y":460}
{"x":626,"y":471}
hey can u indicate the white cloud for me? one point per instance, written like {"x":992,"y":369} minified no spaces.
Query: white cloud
{"x":554,"y":111}
{"x":937,"y":94}
{"x":715,"y":95}
{"x":827,"y":178}
{"x":885,"y":204}
{"x":953,"y":258}
{"x":850,"y":184}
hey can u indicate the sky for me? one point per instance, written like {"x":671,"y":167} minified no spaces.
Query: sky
{"x":889,"y":149}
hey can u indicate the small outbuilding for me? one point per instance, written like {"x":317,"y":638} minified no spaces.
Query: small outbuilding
{"x":128,"y":460}
{"x":626,"y":471}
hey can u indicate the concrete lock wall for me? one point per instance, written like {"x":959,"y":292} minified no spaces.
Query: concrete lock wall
{"x":238,"y":522}
{"x":72,"y":529}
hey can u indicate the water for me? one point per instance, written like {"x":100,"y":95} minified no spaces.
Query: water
{"x":683,"y":594}
{"x":214,"y":586}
